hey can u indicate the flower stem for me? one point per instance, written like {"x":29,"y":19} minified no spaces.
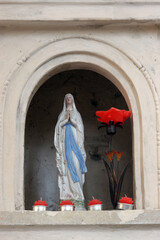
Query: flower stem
{"x":110,"y":143}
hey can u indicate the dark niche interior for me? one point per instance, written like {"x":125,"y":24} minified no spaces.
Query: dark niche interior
{"x":91,"y":92}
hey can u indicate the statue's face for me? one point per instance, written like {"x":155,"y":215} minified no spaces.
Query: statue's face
{"x":69,"y":99}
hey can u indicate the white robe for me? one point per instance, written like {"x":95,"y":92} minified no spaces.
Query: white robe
{"x":69,"y":189}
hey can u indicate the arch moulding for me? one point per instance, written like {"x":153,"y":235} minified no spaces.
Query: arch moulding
{"x":79,"y":54}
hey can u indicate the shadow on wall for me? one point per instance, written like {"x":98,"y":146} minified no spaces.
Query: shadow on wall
{"x":91,"y":92}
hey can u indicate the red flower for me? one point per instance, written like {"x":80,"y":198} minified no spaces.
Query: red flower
{"x":110,"y":155}
{"x":94,"y":202}
{"x":40,"y":203}
{"x":119,"y":155}
{"x":126,"y":200}
{"x":66,"y":202}
{"x":113,"y":114}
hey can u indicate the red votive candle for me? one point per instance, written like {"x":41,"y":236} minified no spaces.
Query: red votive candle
{"x":67,"y":205}
{"x":39,"y":206}
{"x":66,"y":202}
{"x":40,"y":203}
{"x":95,"y":205}
{"x":94,"y":202}
{"x":126,"y":200}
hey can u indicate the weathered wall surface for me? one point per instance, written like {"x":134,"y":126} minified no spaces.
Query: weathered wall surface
{"x":121,"y":225}
{"x":80,"y":232}
{"x":121,"y":41}
{"x":132,"y":29}
{"x":141,"y":42}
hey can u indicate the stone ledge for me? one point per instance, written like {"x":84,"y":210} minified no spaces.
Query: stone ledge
{"x":51,"y":218}
{"x":106,"y":12}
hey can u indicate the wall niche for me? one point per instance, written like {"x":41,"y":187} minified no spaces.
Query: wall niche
{"x":91,"y":92}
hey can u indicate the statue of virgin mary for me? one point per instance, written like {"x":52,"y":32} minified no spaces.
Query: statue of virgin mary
{"x":70,"y":152}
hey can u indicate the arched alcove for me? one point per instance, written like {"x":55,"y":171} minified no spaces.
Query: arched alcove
{"x":125,"y":72}
{"x":92,"y":92}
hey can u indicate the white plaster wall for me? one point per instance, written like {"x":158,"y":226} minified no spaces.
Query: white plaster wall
{"x":79,"y":233}
{"x":138,"y":40}
{"x":141,"y":42}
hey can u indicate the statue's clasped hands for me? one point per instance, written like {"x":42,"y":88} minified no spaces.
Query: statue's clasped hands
{"x":69,"y":118}
{"x":68,"y":115}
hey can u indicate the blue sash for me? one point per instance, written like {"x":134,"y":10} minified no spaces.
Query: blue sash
{"x":71,"y":146}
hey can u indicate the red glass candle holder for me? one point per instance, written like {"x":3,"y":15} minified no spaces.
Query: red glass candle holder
{"x":67,"y":205}
{"x":95,"y":205}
